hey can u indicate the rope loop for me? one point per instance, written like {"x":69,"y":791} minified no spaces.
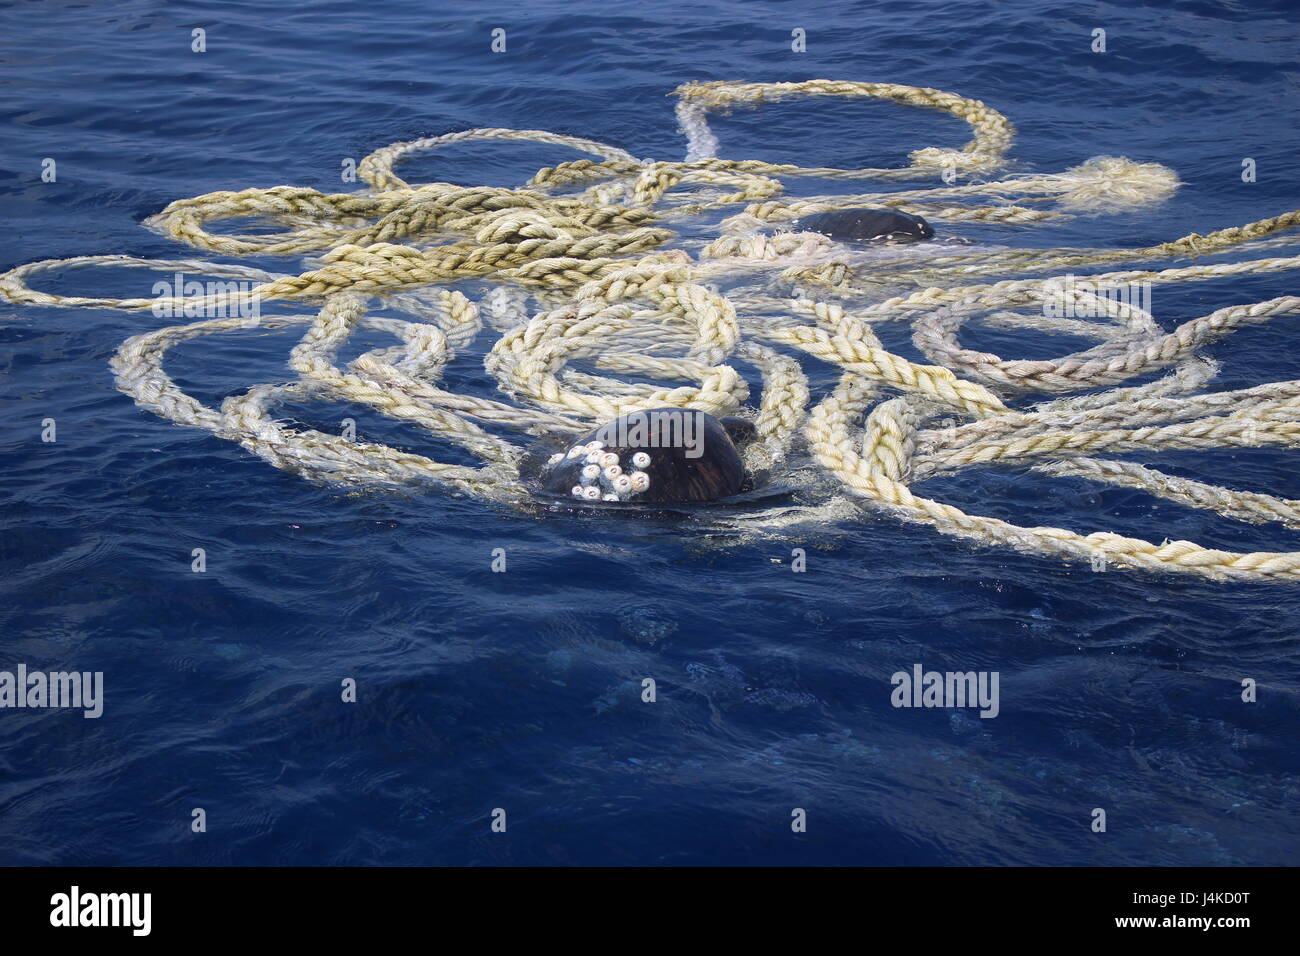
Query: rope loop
{"x":607,"y":290}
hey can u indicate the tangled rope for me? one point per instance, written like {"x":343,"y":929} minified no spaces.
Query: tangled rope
{"x":591,"y":262}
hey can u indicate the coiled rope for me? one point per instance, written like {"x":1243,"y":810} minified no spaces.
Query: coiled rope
{"x":596,"y":251}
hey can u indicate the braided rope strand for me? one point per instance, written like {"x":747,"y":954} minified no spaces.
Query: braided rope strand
{"x":588,"y":263}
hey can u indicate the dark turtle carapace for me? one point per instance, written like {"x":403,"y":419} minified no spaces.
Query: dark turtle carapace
{"x":867,"y":225}
{"x":656,"y":456}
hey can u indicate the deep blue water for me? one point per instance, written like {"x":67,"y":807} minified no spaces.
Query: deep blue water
{"x":521,"y":690}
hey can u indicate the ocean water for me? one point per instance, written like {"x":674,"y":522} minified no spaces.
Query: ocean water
{"x":521,"y":690}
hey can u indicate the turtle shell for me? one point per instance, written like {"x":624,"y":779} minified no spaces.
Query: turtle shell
{"x":867,"y":225}
{"x":685,"y":455}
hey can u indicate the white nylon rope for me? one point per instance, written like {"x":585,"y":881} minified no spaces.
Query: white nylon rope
{"x":582,"y":266}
